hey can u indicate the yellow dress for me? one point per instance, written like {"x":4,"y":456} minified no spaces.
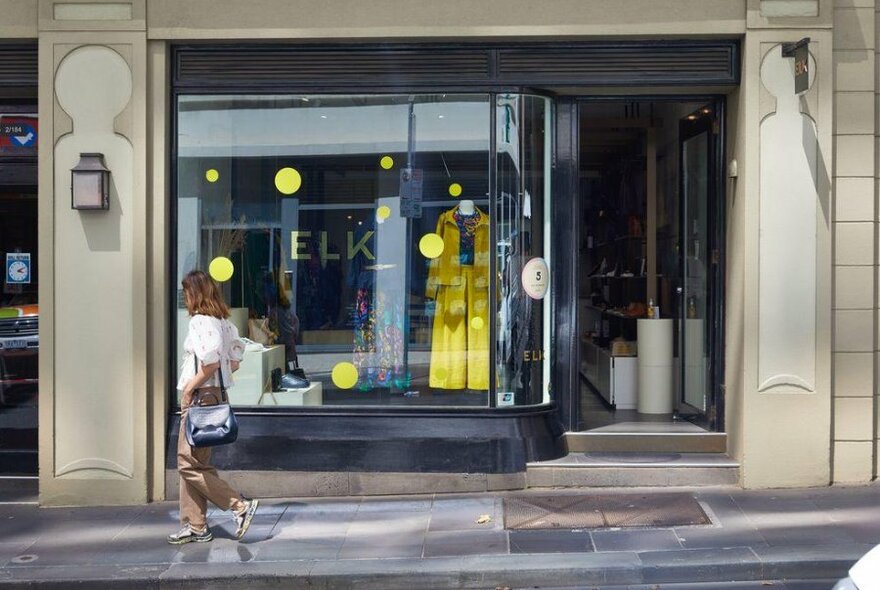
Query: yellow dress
{"x":460,"y":335}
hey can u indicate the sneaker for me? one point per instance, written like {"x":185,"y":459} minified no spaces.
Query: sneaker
{"x":189,"y":535}
{"x":243,"y":519}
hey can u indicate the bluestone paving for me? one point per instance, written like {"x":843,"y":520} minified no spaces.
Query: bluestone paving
{"x":636,"y":540}
{"x":437,"y":542}
{"x":536,"y":541}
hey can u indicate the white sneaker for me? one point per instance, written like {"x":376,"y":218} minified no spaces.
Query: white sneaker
{"x":243,"y":519}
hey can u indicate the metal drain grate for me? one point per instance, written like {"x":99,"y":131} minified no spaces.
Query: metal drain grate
{"x":594,"y":512}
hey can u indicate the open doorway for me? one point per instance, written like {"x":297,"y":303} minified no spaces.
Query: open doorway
{"x":649,"y":296}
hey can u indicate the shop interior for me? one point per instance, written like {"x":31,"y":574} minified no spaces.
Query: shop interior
{"x":644,"y":306}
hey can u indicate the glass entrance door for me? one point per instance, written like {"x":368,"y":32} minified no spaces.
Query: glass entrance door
{"x":698,"y":261}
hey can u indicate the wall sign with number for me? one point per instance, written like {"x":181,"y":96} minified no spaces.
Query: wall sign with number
{"x":536,"y":278}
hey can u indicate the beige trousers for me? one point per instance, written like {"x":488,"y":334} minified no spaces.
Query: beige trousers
{"x":199,"y":482}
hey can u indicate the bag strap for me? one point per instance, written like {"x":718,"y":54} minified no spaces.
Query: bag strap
{"x":224,"y":397}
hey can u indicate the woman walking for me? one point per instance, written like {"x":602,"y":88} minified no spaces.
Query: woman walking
{"x":212,"y":351}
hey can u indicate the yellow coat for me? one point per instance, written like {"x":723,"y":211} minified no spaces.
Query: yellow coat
{"x":445,"y":270}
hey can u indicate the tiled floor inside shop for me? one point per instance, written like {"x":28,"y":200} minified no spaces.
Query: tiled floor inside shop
{"x":598,"y":416}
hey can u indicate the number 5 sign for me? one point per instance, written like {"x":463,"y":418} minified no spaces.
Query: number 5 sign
{"x":536,"y":278}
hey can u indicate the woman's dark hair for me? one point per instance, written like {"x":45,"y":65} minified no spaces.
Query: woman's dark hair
{"x":203,"y":296}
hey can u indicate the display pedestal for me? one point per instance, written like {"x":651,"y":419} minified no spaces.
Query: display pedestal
{"x":655,"y":366}
{"x":254,"y":375}
{"x":313,"y":395}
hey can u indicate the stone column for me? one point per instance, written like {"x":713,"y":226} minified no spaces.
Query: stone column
{"x":93,"y":276}
{"x":854,"y":229}
{"x":782,"y":210}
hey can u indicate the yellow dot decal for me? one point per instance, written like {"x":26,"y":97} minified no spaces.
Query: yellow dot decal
{"x":212,"y":175}
{"x":288,"y":181}
{"x":221,"y":269}
{"x":477,"y":323}
{"x":344,"y":375}
{"x":455,"y":189}
{"x":440,"y":374}
{"x":387,"y":162}
{"x":383,"y":212}
{"x":431,"y":246}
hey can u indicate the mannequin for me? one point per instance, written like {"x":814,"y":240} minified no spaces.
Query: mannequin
{"x":458,"y":281}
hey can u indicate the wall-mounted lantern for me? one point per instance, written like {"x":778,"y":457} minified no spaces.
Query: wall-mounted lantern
{"x":90,"y":183}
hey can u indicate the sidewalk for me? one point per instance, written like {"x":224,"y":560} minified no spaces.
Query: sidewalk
{"x":436,"y":542}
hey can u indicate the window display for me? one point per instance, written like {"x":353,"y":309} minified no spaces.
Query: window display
{"x":351,"y":236}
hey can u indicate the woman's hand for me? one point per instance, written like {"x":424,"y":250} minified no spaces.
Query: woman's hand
{"x":186,"y":397}
{"x":234,"y":365}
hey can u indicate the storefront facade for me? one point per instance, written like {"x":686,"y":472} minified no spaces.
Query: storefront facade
{"x":385,"y":203}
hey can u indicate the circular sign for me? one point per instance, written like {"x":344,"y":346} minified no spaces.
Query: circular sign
{"x":221,"y":269}
{"x":431,"y":246}
{"x":344,"y":375}
{"x":288,"y":181}
{"x":536,"y":278}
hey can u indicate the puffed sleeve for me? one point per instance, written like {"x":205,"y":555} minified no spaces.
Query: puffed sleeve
{"x":206,"y":338}
{"x":236,"y":348}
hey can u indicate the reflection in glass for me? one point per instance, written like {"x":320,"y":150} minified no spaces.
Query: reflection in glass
{"x":523,"y":230}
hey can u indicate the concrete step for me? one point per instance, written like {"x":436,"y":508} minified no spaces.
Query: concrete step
{"x":631,"y":469}
{"x":661,"y":442}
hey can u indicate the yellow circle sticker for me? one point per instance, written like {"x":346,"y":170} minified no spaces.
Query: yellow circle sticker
{"x":477,"y":323}
{"x":383,"y":212}
{"x":288,"y":181}
{"x":212,"y":175}
{"x":455,"y":189}
{"x":387,"y":162}
{"x":344,"y":375}
{"x":431,"y":246}
{"x":441,"y":374}
{"x":221,"y":269}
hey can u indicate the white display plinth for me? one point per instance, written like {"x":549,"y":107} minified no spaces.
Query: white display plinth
{"x":655,"y":339}
{"x":313,"y":395}
{"x":254,"y":375}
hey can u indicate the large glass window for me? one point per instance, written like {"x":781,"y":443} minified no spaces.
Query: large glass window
{"x":352,"y":239}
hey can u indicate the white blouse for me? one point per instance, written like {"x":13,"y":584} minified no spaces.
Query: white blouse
{"x":210,"y":340}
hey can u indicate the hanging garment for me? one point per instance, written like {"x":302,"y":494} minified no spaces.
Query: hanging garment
{"x":378,"y":342}
{"x":445,"y":270}
{"x":460,"y":334}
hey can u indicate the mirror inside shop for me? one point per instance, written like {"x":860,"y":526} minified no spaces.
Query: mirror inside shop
{"x":351,"y":239}
{"x":647,"y":258}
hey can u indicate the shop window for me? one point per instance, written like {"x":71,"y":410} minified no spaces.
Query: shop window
{"x":351,"y":236}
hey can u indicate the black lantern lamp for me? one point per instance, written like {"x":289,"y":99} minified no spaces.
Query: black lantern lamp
{"x":90,"y":183}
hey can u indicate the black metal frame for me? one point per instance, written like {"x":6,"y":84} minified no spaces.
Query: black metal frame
{"x":713,"y":416}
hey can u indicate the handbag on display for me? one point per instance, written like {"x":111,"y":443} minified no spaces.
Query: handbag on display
{"x":259,"y":331}
{"x":295,"y":378}
{"x":210,"y":426}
